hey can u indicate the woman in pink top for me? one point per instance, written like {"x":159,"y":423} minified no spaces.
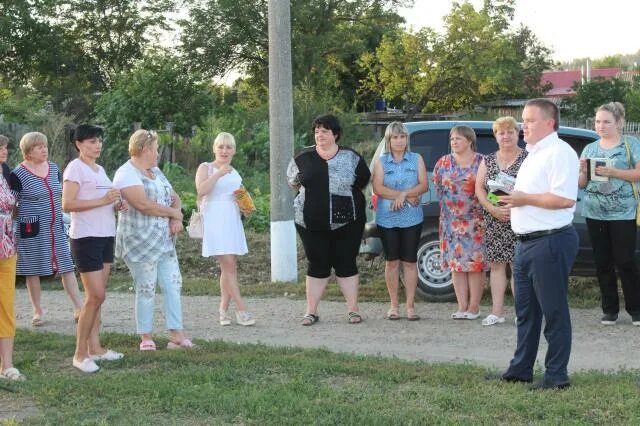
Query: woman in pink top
{"x":89,"y":195}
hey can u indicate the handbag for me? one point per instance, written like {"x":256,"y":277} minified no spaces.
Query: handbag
{"x":195,"y":229}
{"x":244,"y":200}
{"x":633,"y":184}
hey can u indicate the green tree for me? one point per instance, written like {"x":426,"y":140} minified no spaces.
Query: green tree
{"x":158,"y":90}
{"x":611,"y":61}
{"x":479,"y":57}
{"x":632,"y":101}
{"x":327,"y":38}
{"x":70,"y":51}
{"x":594,"y":93}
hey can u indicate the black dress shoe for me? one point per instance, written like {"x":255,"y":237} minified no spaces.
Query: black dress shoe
{"x":506,"y":378}
{"x":542,"y":385}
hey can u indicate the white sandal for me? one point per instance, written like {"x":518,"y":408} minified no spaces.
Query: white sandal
{"x":13,"y":374}
{"x":471,"y":315}
{"x":458,"y":315}
{"x":225,"y":318}
{"x":492,"y":320}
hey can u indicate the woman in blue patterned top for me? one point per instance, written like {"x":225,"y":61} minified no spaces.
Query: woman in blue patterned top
{"x":609,"y":206}
{"x":399,"y":179}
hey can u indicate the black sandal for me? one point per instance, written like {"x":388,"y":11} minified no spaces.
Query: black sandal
{"x":310,"y":319}
{"x":352,"y":316}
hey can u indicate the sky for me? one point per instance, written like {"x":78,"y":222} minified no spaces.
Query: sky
{"x":571,"y":28}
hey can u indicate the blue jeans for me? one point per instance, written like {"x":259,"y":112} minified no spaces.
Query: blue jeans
{"x":541,"y":275}
{"x":165,"y":272}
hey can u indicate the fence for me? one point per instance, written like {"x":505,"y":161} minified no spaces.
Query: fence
{"x":629,"y":128}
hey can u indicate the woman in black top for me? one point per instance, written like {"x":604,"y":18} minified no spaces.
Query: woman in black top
{"x":329,"y":214}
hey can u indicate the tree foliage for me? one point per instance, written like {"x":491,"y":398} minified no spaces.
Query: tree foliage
{"x":72,"y":50}
{"x":598,"y":91}
{"x":158,"y":90}
{"x":327,"y":38}
{"x":479,"y":57}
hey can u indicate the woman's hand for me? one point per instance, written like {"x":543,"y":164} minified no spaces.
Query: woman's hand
{"x":583,"y":166}
{"x":399,"y":202}
{"x":175,"y":226}
{"x":112,"y":196}
{"x":606,"y":171}
{"x":177,"y":215}
{"x":501,"y":213}
{"x":414,"y":201}
{"x":121,"y":206}
{"x":224,"y":169}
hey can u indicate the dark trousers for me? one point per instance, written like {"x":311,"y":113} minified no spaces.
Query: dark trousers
{"x":541,"y":271}
{"x":614,"y":248}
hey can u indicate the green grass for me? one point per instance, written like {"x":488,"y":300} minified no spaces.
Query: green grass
{"x":224,"y":383}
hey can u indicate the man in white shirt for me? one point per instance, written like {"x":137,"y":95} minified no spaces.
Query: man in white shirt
{"x":542,"y":207}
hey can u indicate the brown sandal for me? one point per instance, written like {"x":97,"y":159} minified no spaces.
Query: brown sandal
{"x":392,"y":314}
{"x":354,"y":318}
{"x":411,"y":316}
{"x":310,"y":319}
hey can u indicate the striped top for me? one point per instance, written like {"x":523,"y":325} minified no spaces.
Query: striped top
{"x":41,"y":242}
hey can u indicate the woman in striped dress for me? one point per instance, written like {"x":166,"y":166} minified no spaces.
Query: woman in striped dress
{"x":41,"y":242}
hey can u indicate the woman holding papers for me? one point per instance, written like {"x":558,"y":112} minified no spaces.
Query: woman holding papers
{"x":609,"y":207}
{"x":498,"y":170}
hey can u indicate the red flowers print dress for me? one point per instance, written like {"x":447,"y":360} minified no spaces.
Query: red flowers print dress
{"x":461,"y":220}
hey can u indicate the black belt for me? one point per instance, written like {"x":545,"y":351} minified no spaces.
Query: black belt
{"x":538,"y":234}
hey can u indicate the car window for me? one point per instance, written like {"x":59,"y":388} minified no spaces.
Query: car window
{"x":486,"y":143}
{"x":431,"y":144}
{"x":577,"y":142}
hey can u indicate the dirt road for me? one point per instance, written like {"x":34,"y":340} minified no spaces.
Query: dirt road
{"x":435,"y":338}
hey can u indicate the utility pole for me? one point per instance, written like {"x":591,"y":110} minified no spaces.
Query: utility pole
{"x":284,"y":261}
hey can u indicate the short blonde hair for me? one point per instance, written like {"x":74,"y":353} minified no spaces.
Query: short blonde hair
{"x":31,"y":140}
{"x":505,"y":123}
{"x":466,"y":132}
{"x":224,"y":137}
{"x":139,"y":139}
{"x":395,"y":128}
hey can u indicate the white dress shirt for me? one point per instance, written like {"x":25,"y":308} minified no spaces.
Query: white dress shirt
{"x":552,"y":166}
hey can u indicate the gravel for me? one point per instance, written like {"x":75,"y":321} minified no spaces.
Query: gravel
{"x":435,"y":338}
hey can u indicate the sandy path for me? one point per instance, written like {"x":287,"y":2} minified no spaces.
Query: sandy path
{"x":435,"y":338}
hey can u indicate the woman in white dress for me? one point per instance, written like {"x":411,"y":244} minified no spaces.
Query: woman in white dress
{"x":223,"y":232}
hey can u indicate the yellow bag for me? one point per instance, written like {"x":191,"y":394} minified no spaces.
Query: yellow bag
{"x":244,"y":200}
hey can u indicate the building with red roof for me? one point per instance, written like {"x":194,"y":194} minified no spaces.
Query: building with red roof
{"x":562,"y":81}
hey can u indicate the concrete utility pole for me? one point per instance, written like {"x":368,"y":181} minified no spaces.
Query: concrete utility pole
{"x":284,"y":261}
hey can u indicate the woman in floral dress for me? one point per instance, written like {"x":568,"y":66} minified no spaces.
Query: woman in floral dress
{"x":461,"y":221}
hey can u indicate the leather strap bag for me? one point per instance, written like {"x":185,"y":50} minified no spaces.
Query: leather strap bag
{"x":195,"y":228}
{"x":633,"y":184}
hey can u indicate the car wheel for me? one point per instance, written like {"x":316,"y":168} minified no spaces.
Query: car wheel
{"x":434,"y":282}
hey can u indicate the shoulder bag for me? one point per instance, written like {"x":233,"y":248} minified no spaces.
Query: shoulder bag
{"x":633,"y":184}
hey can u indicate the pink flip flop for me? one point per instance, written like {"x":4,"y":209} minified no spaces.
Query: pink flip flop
{"x":184,"y":344}
{"x":147,"y":345}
